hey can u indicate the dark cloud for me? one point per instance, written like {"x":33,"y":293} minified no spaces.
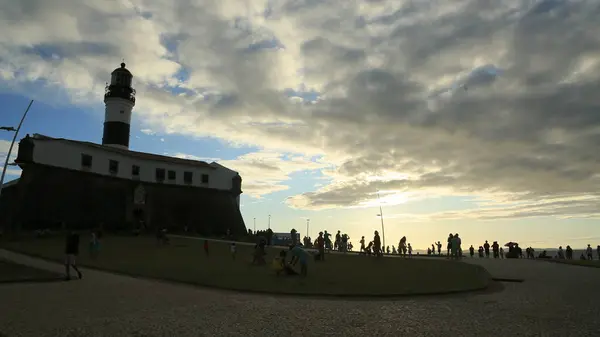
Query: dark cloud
{"x":390,"y":84}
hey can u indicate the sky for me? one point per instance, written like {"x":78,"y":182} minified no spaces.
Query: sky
{"x":472,"y":117}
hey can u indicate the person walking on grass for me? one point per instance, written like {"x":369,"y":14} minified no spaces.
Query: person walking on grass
{"x":232,"y":249}
{"x":94,"y":245}
{"x":71,"y":252}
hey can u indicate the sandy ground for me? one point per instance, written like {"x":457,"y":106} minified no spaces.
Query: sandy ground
{"x":554,"y":300}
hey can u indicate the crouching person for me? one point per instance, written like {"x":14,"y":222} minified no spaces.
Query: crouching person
{"x":300,"y":255}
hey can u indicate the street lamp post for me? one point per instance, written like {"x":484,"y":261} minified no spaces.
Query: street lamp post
{"x":269,"y":224}
{"x":254,"y":225}
{"x":16,"y":131}
{"x":381,"y":216}
{"x":307,"y":226}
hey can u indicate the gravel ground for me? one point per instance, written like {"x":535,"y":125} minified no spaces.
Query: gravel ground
{"x":554,"y":300}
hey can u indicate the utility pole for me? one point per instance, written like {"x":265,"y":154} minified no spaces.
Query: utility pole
{"x":16,"y":131}
{"x":307,"y":226}
{"x":269,"y":225}
{"x":254,"y":226}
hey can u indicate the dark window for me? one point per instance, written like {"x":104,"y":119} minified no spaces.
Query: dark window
{"x":86,"y":160}
{"x":187,"y":177}
{"x":113,"y":166}
{"x":205,"y":178}
{"x":172,"y":175}
{"x":160,"y":174}
{"x":135,"y":170}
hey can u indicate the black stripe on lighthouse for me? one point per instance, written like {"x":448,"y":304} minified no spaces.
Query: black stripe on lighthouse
{"x":116,"y":133}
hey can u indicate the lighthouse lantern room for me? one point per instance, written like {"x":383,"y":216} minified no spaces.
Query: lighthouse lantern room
{"x":119,"y":100}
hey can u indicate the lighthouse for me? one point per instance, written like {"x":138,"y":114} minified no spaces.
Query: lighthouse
{"x":119,"y":100}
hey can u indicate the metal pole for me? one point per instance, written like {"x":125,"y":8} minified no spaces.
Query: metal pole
{"x":12,"y":144}
{"x":269,"y":221}
{"x":254,"y":225}
{"x":381,"y":215}
{"x":307,"y":224}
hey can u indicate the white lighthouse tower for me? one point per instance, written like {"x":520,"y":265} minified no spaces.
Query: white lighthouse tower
{"x":119,"y":100}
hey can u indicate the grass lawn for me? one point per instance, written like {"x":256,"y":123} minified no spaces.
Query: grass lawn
{"x":184,"y":260}
{"x":12,"y":272}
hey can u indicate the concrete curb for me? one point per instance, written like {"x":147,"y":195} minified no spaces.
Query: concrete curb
{"x":514,"y":280}
{"x":276,"y":294}
{"x":34,"y":280}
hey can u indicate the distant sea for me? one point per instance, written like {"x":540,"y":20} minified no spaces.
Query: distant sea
{"x":550,"y":251}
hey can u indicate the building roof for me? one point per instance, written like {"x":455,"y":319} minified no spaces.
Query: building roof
{"x":122,"y":69}
{"x":135,"y":154}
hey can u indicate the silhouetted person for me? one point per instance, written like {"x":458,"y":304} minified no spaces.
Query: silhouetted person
{"x":402,"y":246}
{"x":454,"y":246}
{"x":71,"y":252}
{"x":588,"y":250}
{"x":362,"y":245}
{"x":471,"y":251}
{"x":459,"y":244}
{"x":480,"y":251}
{"x":294,"y":237}
{"x":439,"y":247}
{"x":321,"y":246}
{"x":501,"y":252}
{"x":377,"y":244}
{"x":569,"y":252}
{"x":486,"y":247}
{"x":561,"y":254}
{"x":496,"y":249}
{"x":327,"y":237}
{"x":449,"y":246}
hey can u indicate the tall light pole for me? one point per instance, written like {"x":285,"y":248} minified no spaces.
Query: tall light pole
{"x":307,"y":224}
{"x":16,"y":131}
{"x":269,"y":224}
{"x":254,"y":225}
{"x":381,"y":216}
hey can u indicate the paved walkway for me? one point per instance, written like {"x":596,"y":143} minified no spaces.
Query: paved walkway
{"x":555,"y":300}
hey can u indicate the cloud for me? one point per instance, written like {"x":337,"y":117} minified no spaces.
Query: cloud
{"x":13,"y":171}
{"x":148,"y":132}
{"x":560,"y":207}
{"x":385,"y":74}
{"x":265,"y":172}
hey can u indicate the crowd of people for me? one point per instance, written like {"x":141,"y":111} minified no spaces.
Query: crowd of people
{"x":342,"y":244}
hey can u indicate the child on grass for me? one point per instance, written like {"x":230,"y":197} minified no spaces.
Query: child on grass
{"x":232,"y":249}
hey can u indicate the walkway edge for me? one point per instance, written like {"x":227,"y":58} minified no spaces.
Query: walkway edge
{"x":264,"y":292}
